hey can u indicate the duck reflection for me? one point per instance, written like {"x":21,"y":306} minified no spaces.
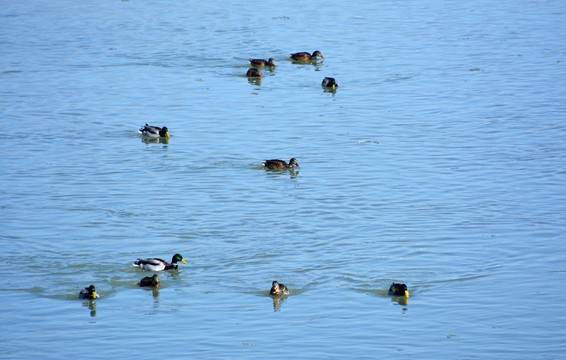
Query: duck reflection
{"x":308,"y":62}
{"x":160,"y":140}
{"x":403,"y":301}
{"x":254,"y":81}
{"x":277,"y":302}
{"x":155,"y":293}
{"x":91,"y":304}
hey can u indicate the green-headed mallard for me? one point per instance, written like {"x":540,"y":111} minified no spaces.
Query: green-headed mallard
{"x":150,"y":281}
{"x":88,"y":293}
{"x":154,"y":131}
{"x":253,"y":72}
{"x":329,"y":82}
{"x":398,"y":290}
{"x":306,"y":56}
{"x":279,"y":164}
{"x":155,"y":264}
{"x":278,"y":289}
{"x":262,"y":63}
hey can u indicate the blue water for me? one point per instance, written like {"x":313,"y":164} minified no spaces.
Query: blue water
{"x":439,"y":162}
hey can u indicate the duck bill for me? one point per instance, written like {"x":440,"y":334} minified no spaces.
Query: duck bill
{"x":183,"y":261}
{"x":406,"y":294}
{"x":94,"y":295}
{"x":167,"y":135}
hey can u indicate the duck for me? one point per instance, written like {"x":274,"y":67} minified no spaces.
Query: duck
{"x":306,"y":55}
{"x":279,"y":164}
{"x":398,"y":290}
{"x":155,"y":264}
{"x":154,"y":131}
{"x":329,"y":82}
{"x":262,"y":63}
{"x":88,"y":293}
{"x":278,"y":289}
{"x":253,"y":72}
{"x":150,"y":281}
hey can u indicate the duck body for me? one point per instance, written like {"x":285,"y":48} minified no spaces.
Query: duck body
{"x":262,"y":63}
{"x":398,"y":290}
{"x":329,"y":82}
{"x":278,"y":289}
{"x":156,"y":264}
{"x":280,"y":164}
{"x":150,"y":281}
{"x":88,"y":293}
{"x":154,"y":131}
{"x":306,"y":56}
{"x":253,"y":72}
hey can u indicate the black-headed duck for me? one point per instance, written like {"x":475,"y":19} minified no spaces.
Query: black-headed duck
{"x":155,"y":264}
{"x":88,"y":293}
{"x":279,"y":164}
{"x":398,"y":290}
{"x":262,"y":63}
{"x":329,"y":82}
{"x":154,"y":131}
{"x":306,"y":56}
{"x":278,"y":289}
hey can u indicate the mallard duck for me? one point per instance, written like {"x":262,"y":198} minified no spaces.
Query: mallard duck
{"x":329,"y":82}
{"x":253,"y":72}
{"x":88,"y":293}
{"x":262,"y":63}
{"x":278,"y":289}
{"x":306,"y":56}
{"x":398,"y":290}
{"x":150,"y":281}
{"x":154,"y":131}
{"x":279,"y":164}
{"x":155,"y":264}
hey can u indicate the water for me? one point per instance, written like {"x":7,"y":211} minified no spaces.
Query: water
{"x":438,"y":162}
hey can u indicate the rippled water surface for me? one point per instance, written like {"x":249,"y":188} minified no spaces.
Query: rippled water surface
{"x":439,"y":162}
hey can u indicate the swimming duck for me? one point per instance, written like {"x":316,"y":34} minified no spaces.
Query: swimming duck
{"x":150,"y":281}
{"x":278,"y":289}
{"x":253,"y":72}
{"x":155,"y":264}
{"x":262,"y":63}
{"x":306,"y":56}
{"x":154,"y":131}
{"x":279,"y":164}
{"x":398,"y":290}
{"x":88,"y":293}
{"x":329,"y":82}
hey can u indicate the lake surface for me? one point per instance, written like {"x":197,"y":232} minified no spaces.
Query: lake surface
{"x":439,"y":162}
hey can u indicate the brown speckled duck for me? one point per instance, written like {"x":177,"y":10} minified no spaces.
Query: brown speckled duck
{"x":398,"y":290}
{"x":279,"y":164}
{"x":262,"y":63}
{"x":278,"y":289}
{"x":150,"y":281}
{"x":253,"y":72}
{"x":306,"y":56}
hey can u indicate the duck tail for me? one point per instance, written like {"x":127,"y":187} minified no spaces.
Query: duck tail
{"x":136,"y":263}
